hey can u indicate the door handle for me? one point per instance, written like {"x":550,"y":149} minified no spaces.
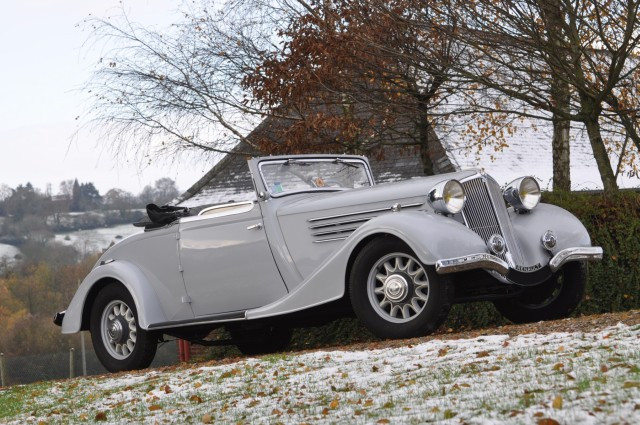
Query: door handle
{"x":256,"y":226}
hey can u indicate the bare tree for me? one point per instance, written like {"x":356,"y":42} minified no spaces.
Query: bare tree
{"x":566,"y":59}
{"x":162,"y":92}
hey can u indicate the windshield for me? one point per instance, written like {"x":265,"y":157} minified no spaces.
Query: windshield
{"x":295,"y":175}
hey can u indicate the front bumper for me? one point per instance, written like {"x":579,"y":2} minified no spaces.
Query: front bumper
{"x":491,"y":262}
{"x":59,"y":317}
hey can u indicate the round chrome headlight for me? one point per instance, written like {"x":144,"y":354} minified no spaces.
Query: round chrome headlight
{"x":447,"y":197}
{"x":523,"y":193}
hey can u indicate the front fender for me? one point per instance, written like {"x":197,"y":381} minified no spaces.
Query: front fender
{"x":529,"y":228}
{"x":430,"y":236}
{"x":147,"y":305}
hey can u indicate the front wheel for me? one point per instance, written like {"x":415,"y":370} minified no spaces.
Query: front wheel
{"x":553,"y":299}
{"x":117,"y":340}
{"x":394,"y":294}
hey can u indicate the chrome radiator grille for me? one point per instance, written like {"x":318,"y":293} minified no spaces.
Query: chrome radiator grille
{"x":479,"y":213}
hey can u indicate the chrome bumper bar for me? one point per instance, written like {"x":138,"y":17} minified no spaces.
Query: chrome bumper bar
{"x":491,"y":262}
{"x":590,"y":253}
{"x":470,"y":262}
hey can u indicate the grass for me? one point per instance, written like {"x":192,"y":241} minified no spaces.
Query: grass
{"x":500,"y":379}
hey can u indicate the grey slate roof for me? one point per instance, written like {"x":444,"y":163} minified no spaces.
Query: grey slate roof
{"x":529,"y":153}
{"x":230,"y":180}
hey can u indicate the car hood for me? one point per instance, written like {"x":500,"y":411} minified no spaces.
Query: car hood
{"x":386,"y":192}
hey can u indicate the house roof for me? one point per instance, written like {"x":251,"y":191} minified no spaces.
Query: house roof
{"x":528,"y":153}
{"x":230,"y":180}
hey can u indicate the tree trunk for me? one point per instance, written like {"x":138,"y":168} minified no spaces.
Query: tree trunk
{"x":553,"y":14}
{"x":561,"y":159}
{"x":601,"y":156}
{"x":425,"y":148}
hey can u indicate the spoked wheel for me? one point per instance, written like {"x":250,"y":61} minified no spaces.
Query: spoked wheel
{"x":398,"y":287}
{"x":553,"y":299}
{"x":117,"y":340}
{"x":394,"y":294}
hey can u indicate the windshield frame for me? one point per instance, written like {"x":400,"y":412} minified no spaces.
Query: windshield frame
{"x":282,"y":160}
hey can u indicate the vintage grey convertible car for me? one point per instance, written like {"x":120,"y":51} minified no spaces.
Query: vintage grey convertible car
{"x":322,"y":240}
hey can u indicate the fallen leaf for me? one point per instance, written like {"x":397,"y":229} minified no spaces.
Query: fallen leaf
{"x":325,"y":411}
{"x":631,"y":384}
{"x":383,"y":421}
{"x":195,"y":398}
{"x":197,"y":384}
{"x":155,"y":407}
{"x":167,"y":389}
{"x":557,"y":402}
{"x":276,"y":412}
{"x":334,"y":404}
{"x":558,"y":366}
{"x":548,"y":421}
{"x":443,"y":352}
{"x":448,"y":414}
{"x":482,"y":354}
{"x":375,"y":369}
{"x":101,"y":416}
{"x":207,"y":419}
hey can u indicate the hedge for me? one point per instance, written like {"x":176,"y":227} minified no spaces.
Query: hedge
{"x":613,"y":223}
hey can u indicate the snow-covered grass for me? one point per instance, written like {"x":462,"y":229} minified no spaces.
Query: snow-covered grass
{"x":8,"y":251}
{"x":588,"y":378}
{"x":95,"y":240}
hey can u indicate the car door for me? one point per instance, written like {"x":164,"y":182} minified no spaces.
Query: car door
{"x":226,"y":261}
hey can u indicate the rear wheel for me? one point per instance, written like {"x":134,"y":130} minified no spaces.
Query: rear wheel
{"x":261,"y":340}
{"x":553,"y":299}
{"x":118,"y":341}
{"x":394,"y":294}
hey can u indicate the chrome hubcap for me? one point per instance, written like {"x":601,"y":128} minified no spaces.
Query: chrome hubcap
{"x":119,"y":330}
{"x":398,"y":287}
{"x":115,"y":331}
{"x":395,"y":287}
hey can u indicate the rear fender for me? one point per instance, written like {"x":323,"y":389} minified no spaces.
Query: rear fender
{"x":147,"y":305}
{"x":430,"y":236}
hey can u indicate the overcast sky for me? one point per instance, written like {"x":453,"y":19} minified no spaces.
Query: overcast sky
{"x":43,"y":66}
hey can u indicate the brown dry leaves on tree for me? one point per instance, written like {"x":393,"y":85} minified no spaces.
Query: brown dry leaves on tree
{"x":352,"y":77}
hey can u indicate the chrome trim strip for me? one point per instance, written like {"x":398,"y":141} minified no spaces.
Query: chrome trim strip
{"x":473,"y":261}
{"x":335,"y":231}
{"x":330,"y":240}
{"x":590,"y":253}
{"x":311,"y":220}
{"x":227,"y":205}
{"x":215,"y":318}
{"x":338,"y":223}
